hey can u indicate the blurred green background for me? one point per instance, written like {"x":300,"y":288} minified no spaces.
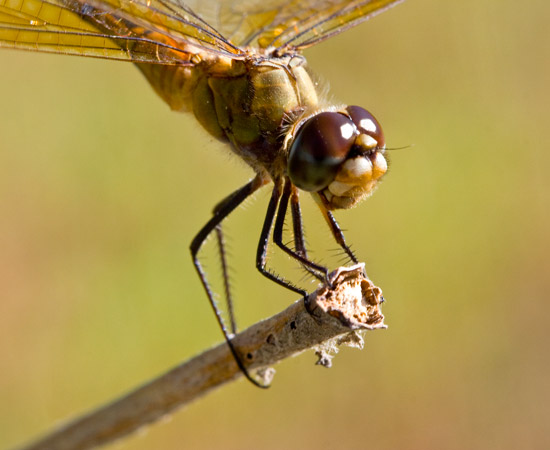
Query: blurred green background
{"x":102,"y":188}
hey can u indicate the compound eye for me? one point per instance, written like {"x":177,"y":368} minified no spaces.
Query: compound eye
{"x":320,"y":146}
{"x":367,"y":124}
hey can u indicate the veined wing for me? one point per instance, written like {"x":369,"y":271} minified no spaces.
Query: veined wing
{"x":288,"y":24}
{"x":154,"y":31}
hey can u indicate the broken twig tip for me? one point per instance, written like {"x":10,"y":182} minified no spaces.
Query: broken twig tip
{"x":353,"y":299}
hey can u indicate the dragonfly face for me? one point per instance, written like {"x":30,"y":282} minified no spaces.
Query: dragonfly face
{"x":339,"y":156}
{"x":238,"y":69}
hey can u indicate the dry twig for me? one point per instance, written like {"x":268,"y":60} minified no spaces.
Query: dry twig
{"x":352,"y":304}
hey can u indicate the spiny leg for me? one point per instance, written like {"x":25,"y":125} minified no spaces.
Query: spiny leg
{"x":221,"y":211}
{"x":225,"y":267}
{"x":339,"y":236}
{"x":298,"y":229}
{"x":225,"y":275}
{"x":297,"y":226}
{"x":315,"y":269}
{"x":263,"y":244}
{"x":337,"y":233}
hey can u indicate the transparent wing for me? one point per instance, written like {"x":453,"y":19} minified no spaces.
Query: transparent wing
{"x":156,"y":31}
{"x":287,"y":24}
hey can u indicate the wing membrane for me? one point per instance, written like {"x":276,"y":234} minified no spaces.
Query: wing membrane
{"x":157,"y":31}
{"x":292,"y":24}
{"x":170,"y":32}
{"x":331,"y":22}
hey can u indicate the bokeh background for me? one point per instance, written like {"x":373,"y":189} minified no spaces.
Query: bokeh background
{"x":102,"y":189}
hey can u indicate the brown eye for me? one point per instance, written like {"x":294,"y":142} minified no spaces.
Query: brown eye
{"x":320,"y":146}
{"x":367,"y":124}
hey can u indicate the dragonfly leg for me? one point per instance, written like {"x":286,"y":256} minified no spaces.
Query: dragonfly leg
{"x":337,"y":233}
{"x":313,"y":268}
{"x":263,"y":244}
{"x":297,"y":227}
{"x":298,"y":230}
{"x":221,"y":211}
{"x":339,"y":237}
{"x":225,"y":275}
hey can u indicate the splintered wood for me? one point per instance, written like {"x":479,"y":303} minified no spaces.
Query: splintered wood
{"x":354,"y":300}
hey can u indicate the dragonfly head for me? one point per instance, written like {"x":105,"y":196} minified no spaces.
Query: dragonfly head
{"x":338,"y":155}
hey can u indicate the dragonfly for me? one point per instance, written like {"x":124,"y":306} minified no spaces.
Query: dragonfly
{"x":238,"y":68}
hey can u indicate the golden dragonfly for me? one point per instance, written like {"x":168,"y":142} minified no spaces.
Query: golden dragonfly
{"x":238,"y":68}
